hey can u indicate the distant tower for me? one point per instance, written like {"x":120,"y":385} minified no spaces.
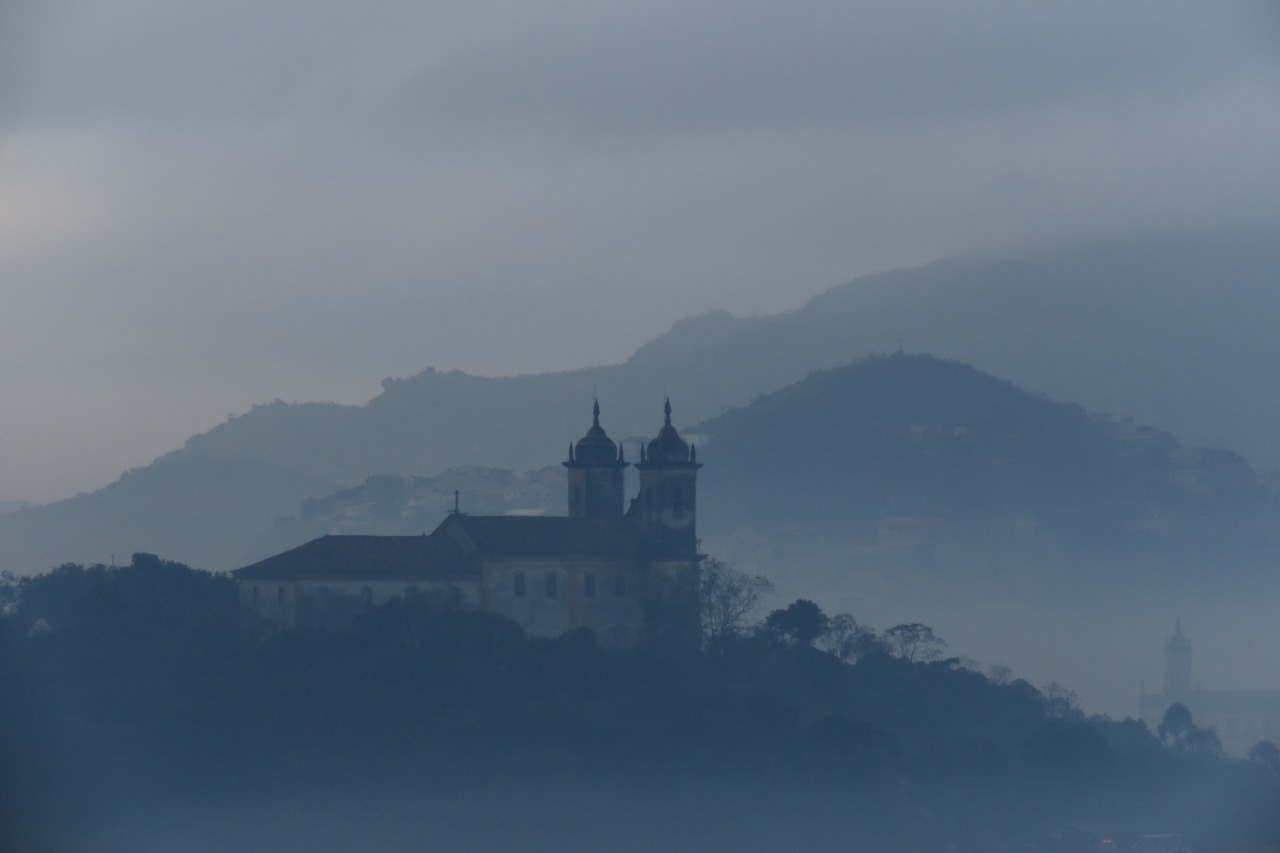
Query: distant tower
{"x":1177,"y":664}
{"x":596,"y":467}
{"x":668,"y":495}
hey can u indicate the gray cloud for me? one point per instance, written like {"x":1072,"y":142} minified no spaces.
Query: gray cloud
{"x":204,"y":205}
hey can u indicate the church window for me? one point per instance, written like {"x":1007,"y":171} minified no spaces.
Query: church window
{"x":553,"y":585}
{"x":366,"y":595}
{"x":620,"y":585}
{"x":589,"y":586}
{"x":677,"y":502}
{"x":519,"y":585}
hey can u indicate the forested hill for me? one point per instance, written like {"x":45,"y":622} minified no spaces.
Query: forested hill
{"x":912,"y":435}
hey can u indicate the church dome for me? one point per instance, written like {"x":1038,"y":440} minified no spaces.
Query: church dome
{"x":668,"y":446}
{"x":595,"y":446}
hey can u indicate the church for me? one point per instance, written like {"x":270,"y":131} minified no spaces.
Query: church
{"x":614,"y":567}
{"x":1240,"y":718}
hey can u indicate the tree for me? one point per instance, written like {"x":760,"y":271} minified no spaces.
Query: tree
{"x":849,"y":640}
{"x":1061,"y":703}
{"x":1266,"y":753}
{"x":802,"y":622}
{"x":727,"y":597}
{"x":914,"y":642}
{"x":1179,"y":731}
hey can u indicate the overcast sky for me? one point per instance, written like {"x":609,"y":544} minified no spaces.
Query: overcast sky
{"x":204,"y":205}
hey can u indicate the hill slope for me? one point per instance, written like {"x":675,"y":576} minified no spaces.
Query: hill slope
{"x":910,"y":435}
{"x":1173,"y":330}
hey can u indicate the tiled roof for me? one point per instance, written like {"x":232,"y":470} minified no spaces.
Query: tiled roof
{"x":365,"y":556}
{"x":455,"y":548}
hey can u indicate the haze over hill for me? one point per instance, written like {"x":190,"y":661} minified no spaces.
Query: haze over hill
{"x":1172,"y":330}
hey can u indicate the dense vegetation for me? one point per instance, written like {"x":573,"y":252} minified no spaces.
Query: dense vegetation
{"x":132,"y":692}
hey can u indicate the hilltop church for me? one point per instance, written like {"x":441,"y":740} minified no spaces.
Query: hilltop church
{"x":1240,"y":718}
{"x":608,"y":566}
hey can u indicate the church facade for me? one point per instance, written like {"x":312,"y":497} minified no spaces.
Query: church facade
{"x":1240,"y":718}
{"x":614,"y":567}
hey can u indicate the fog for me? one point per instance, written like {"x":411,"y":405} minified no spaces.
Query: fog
{"x":206,"y":207}
{"x":209,"y":206}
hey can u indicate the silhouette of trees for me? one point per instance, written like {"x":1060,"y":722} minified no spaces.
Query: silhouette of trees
{"x":802,"y":622}
{"x":1179,"y":731}
{"x":726,"y":598}
{"x":914,"y":642}
{"x":849,"y":640}
{"x":1266,"y":753}
{"x":145,"y":677}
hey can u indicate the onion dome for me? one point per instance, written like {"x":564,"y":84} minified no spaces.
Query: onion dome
{"x":668,"y":446}
{"x":595,"y":446}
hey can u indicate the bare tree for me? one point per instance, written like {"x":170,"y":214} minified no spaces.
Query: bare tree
{"x":847,"y":639}
{"x":1060,"y":702}
{"x":914,"y":642}
{"x":727,"y":597}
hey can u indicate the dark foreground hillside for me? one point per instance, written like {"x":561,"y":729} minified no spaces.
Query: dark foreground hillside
{"x":138,"y":713}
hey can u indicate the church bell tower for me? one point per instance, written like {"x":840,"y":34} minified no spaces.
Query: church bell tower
{"x":668,"y":495}
{"x":1177,"y":664}
{"x":596,"y":473}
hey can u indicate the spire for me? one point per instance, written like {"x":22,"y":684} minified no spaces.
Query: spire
{"x":620,"y":457}
{"x":666,"y":411}
{"x":571,"y":451}
{"x":693,"y":453}
{"x":595,"y":414}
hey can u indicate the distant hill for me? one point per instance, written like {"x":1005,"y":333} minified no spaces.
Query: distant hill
{"x":916,"y":436}
{"x":1173,"y":330}
{"x":213,"y":507}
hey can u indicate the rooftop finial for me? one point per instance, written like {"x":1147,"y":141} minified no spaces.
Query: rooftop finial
{"x":595,"y":414}
{"x":666,"y":411}
{"x":693,"y":453}
{"x":571,"y":451}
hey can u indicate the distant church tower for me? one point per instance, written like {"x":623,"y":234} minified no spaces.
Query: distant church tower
{"x":596,"y":473}
{"x":668,"y":495}
{"x":1177,"y":665}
